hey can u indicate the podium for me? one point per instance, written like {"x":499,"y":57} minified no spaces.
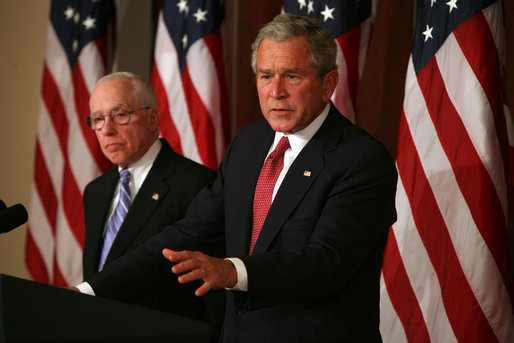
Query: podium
{"x":34,"y":312}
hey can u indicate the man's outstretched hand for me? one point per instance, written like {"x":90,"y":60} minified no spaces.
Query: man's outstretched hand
{"x":216,"y":273}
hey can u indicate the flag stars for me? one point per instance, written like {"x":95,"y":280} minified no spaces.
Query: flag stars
{"x":302,"y":3}
{"x":69,"y":13}
{"x":428,"y":33}
{"x":452,"y":4}
{"x":200,"y":15}
{"x":75,"y":45}
{"x":89,"y":23}
{"x":327,"y":13}
{"x":183,"y":7}
{"x":310,"y":7}
{"x":184,"y":41}
{"x":432,"y":2}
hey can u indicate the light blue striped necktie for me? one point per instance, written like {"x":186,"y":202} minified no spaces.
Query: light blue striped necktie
{"x":117,"y":217}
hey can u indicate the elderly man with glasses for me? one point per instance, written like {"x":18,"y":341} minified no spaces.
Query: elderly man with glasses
{"x":149,"y":187}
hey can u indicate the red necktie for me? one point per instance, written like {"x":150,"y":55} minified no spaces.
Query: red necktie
{"x":265,"y":185}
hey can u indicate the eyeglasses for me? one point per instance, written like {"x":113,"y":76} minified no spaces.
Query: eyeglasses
{"x":119,"y":117}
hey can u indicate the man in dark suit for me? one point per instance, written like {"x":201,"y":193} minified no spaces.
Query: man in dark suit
{"x":306,"y":268}
{"x":162,"y":184}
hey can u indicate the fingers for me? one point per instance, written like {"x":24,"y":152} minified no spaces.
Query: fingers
{"x":193,"y":265}
{"x":176,"y":256}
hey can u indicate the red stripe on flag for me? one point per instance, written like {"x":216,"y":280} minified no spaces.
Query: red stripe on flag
{"x":59,"y":279}
{"x":81,"y":97}
{"x":34,"y":260}
{"x":103,"y":48}
{"x":215,"y":45}
{"x":72,"y":204}
{"x":52,"y":99}
{"x":464,"y":312}
{"x":476,"y":41}
{"x":350,"y":46}
{"x":44,"y":187}
{"x":200,"y":121}
{"x":402,"y":295}
{"x":166,"y":126}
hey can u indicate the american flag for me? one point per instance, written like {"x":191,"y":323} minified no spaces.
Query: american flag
{"x":350,"y":23}
{"x":446,"y":275}
{"x":67,"y":157}
{"x":188,"y":77}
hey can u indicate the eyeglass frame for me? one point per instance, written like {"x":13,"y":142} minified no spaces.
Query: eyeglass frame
{"x":112,"y":116}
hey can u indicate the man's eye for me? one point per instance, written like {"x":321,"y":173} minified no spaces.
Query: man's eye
{"x":291,"y":76}
{"x":97,"y":119}
{"x":121,"y":115}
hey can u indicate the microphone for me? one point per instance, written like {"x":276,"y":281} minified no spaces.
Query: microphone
{"x":12,"y":217}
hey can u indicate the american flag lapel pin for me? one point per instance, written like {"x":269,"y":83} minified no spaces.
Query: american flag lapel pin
{"x":307,"y":173}
{"x":155,"y":196}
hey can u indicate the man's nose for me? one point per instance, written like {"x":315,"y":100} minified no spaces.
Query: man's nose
{"x":278,"y":90}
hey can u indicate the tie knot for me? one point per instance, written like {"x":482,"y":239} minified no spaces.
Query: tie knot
{"x":125,"y":176}
{"x":281,"y":148}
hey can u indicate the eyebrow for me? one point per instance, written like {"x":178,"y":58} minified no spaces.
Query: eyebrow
{"x":281,"y":71}
{"x":116,"y":107}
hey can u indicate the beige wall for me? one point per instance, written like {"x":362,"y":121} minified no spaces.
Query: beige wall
{"x":23,"y":26}
{"x":22,"y":45}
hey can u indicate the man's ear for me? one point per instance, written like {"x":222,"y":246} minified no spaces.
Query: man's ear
{"x":329,"y":84}
{"x":154,"y":117}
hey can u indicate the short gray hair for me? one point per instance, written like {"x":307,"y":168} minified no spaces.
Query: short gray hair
{"x":286,"y":26}
{"x":142,"y":91}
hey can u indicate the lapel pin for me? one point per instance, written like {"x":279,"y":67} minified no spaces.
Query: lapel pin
{"x":307,"y":173}
{"x":155,"y":196}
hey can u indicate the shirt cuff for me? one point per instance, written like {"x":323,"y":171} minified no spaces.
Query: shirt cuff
{"x":242,"y":275}
{"x":85,"y":288}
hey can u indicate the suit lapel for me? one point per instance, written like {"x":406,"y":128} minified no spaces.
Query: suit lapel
{"x":307,"y":166}
{"x":248,"y":172}
{"x":98,"y":210}
{"x":152,"y":192}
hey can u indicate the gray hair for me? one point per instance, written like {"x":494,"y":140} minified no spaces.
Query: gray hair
{"x":142,"y":91}
{"x":286,"y":26}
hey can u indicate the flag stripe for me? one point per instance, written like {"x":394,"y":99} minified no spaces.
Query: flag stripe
{"x":189,"y":81}
{"x":166,"y":63}
{"x":402,"y":296}
{"x":349,"y":43}
{"x":390,"y":326}
{"x":200,"y":121}
{"x":167,"y":126}
{"x":214,"y":43}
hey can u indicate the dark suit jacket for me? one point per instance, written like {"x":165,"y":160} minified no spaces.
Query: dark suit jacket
{"x":176,"y":180}
{"x":314,"y":274}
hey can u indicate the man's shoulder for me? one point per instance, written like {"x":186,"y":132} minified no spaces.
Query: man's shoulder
{"x":167,"y":157}
{"x":102,"y":182}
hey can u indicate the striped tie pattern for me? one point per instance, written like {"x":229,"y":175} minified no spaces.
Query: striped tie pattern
{"x":265,"y":185}
{"x":117,"y":217}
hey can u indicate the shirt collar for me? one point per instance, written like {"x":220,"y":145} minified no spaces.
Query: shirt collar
{"x":300,"y":138}
{"x":140,"y":169}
